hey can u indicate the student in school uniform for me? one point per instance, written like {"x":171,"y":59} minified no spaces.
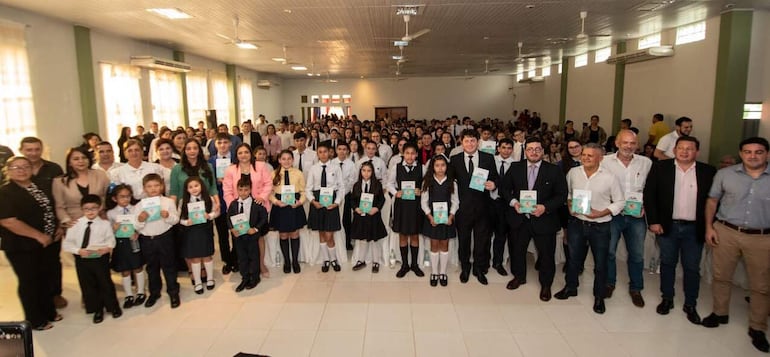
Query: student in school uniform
{"x":198,"y":243}
{"x":91,"y":241}
{"x":350,"y":175}
{"x":438,"y":186}
{"x":304,"y":157}
{"x":126,"y":256}
{"x":367,"y":226}
{"x":156,"y":239}
{"x":246,"y":243}
{"x":503,"y":163}
{"x":370,"y":155}
{"x":407,"y":220}
{"x":325,"y":217}
{"x":287,"y":219}
{"x":224,"y":155}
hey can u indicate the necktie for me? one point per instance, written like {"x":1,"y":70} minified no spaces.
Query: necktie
{"x":286,"y":177}
{"x":86,"y":236}
{"x":366,"y":188}
{"x":300,"y":161}
{"x":240,"y":210}
{"x":532,"y":176}
{"x":340,"y":165}
{"x":470,"y":164}
{"x":323,"y":175}
{"x":125,"y":210}
{"x":315,"y":147}
{"x":521,"y":157}
{"x":502,"y":168}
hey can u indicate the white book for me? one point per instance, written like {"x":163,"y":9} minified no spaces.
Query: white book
{"x":367,"y":202}
{"x":222,"y":165}
{"x":441,"y":212}
{"x":581,"y":201}
{"x":326,"y":196}
{"x":288,"y":194}
{"x":240,"y":223}
{"x":407,"y":190}
{"x":196,"y":212}
{"x":633,"y":205}
{"x":527,"y":201}
{"x":126,"y":226}
{"x":479,"y":178}
{"x":151,"y":205}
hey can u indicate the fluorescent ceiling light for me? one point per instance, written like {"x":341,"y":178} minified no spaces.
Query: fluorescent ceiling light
{"x":246,"y":46}
{"x":279,"y":59}
{"x":397,"y":57}
{"x":299,"y":68}
{"x":171,"y":13}
{"x":309,"y":74}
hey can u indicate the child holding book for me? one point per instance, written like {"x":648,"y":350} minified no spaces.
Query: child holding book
{"x":196,"y":215}
{"x":288,"y":215}
{"x":440,"y":202}
{"x":404,"y":182}
{"x":248,"y":222}
{"x":325,"y":192}
{"x":91,"y":241}
{"x":367,"y":225}
{"x":127,"y":255}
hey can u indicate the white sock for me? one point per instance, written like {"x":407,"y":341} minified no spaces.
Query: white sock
{"x":140,"y":282}
{"x":376,"y":250}
{"x":209,"y":270}
{"x":324,"y":252}
{"x":434,"y":263}
{"x":127,"y":286}
{"x":196,"y":270}
{"x":443,"y":262}
{"x":363,"y":248}
{"x":332,"y":253}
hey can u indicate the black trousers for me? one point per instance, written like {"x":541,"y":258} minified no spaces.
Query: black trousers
{"x":53,"y":255}
{"x":158,"y":252}
{"x":96,"y":283}
{"x":518,"y":241}
{"x":33,"y":271}
{"x":347,"y":219}
{"x":501,"y":230}
{"x":248,"y":251}
{"x":228,"y":253}
{"x":473,"y":228}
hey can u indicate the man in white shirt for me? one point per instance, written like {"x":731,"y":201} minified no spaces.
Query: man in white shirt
{"x":601,"y":191}
{"x":105,"y":158}
{"x":631,"y":171}
{"x":665,"y":148}
{"x":383,"y":151}
{"x":370,"y":152}
{"x":503,"y":163}
{"x":287,"y":138}
{"x":261,"y":125}
{"x":519,"y":137}
{"x":304,"y":158}
{"x":350,"y":176}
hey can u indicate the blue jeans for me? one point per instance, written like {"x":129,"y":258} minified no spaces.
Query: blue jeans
{"x":634,"y":230}
{"x":598,"y":237}
{"x":680,"y":240}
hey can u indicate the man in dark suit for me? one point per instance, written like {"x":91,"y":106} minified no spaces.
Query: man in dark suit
{"x":675,"y":197}
{"x":472,"y":217}
{"x":540,"y":225}
{"x":249,"y":136}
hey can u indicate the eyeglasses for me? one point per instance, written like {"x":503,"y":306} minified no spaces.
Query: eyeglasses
{"x":20,"y":168}
{"x":534,"y":149}
{"x":91,"y":209}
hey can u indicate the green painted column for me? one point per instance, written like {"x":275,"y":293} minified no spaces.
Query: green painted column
{"x":86,"y":81}
{"x":730,"y":88}
{"x":232,"y":92}
{"x":179,"y":56}
{"x":617,"y":98}
{"x":563,"y":95}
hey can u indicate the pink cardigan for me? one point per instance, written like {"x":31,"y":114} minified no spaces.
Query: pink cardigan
{"x":261,"y":183}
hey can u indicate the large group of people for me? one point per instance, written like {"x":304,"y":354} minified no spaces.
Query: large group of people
{"x":161,"y":205}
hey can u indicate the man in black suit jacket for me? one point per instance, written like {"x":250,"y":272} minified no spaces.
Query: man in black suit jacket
{"x":675,"y":213}
{"x":542,"y":224}
{"x":473,"y":217}
{"x":253,"y":138}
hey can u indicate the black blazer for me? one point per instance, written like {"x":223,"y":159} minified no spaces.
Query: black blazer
{"x":551,"y":187}
{"x":470,"y":198}
{"x":659,"y":194}
{"x":256,"y":139}
{"x":257,"y":217}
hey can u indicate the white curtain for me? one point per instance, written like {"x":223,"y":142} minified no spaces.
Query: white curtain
{"x":17,"y":112}
{"x":246,"y":100}
{"x":166,"y":94}
{"x":122,"y":100}
{"x":220,"y":97}
{"x":197,"y":96}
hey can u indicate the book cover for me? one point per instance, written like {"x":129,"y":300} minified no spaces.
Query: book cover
{"x":366,"y":203}
{"x":633,"y":205}
{"x":240,"y":223}
{"x":326,"y":196}
{"x":527,"y":201}
{"x":487,"y":146}
{"x":440,"y":212}
{"x":196,"y":212}
{"x":288,"y":194}
{"x":407,"y":190}
{"x":151,"y":205}
{"x":581,"y":201}
{"x":478,"y":179}
{"x":222,"y":165}
{"x":126,"y":226}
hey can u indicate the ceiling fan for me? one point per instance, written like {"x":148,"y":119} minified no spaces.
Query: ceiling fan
{"x":466,"y":77}
{"x":582,"y":35}
{"x":237,"y":41}
{"x":398,"y":73}
{"x":521,"y":57}
{"x":285,"y":60}
{"x":407,"y":37}
{"x":328,"y":80}
{"x":486,"y":67}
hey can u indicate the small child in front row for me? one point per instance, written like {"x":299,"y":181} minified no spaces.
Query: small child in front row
{"x":127,"y":256}
{"x":439,"y":188}
{"x":91,"y":241}
{"x":198,"y":232}
{"x":324,"y":217}
{"x":367,"y":226}
{"x":247,"y":244}
{"x":287,"y":217}
{"x":155,"y":222}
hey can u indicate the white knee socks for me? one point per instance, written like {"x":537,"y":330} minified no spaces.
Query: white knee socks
{"x":376,"y":249}
{"x":196,"y":270}
{"x":332,"y":253}
{"x":324,"y":252}
{"x":209,"y":269}
{"x":140,"y":282}
{"x":434,"y":262}
{"x":443,"y":262}
{"x":127,"y":285}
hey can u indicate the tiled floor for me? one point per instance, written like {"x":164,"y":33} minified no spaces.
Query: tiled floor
{"x":361,"y":314}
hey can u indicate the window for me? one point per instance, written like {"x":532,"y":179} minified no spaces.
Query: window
{"x":246,"y":100}
{"x":581,"y":60}
{"x":531,"y":73}
{"x":559,"y":68}
{"x":691,"y":33}
{"x":649,"y":41}
{"x":602,"y":54}
{"x":546,"y":71}
{"x":166,"y":95}
{"x":519,"y":77}
{"x":220,"y":98}
{"x":197,"y":96}
{"x":122,"y":100}
{"x":752,"y":111}
{"x":17,"y":112}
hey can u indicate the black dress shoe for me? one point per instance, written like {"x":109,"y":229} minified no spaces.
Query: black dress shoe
{"x":545,"y":294}
{"x":359,"y":265}
{"x":565,"y":294}
{"x":151,"y":300}
{"x":500,"y":269}
{"x":140,"y":298}
{"x":759,"y":340}
{"x":286,"y":268}
{"x":295,"y":267}
{"x":98,"y":317}
{"x":599,"y":307}
{"x":636,"y":298}
{"x":402,"y":272}
{"x":464,"y":276}
{"x":253,"y":283}
{"x":609,"y":290}
{"x":482,"y":278}
{"x":515,"y":283}
{"x":417,"y":271}
{"x":434,"y":280}
{"x":234,"y":268}
{"x":692,"y":314}
{"x":175,"y":302}
{"x":241,"y":286}
{"x":665,"y":306}
{"x":226,"y":269}
{"x":325,"y":267}
{"x":375,"y":268}
{"x":128,"y":302}
{"x":443,"y":280}
{"x":715,"y":320}
{"x":335,"y":265}
{"x":117,"y":313}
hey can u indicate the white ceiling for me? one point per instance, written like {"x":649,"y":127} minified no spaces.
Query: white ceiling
{"x":340,"y":36}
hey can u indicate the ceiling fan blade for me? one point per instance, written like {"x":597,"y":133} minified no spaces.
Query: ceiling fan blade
{"x":415,"y":35}
{"x":251,"y":40}
{"x":225,"y":37}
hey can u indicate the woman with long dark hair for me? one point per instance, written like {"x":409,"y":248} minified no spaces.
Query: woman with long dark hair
{"x":125,"y":134}
{"x":78,"y":180}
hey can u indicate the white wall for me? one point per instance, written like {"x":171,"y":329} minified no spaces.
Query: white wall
{"x":758,"y":86}
{"x":425,"y":97}
{"x":269,"y":101}
{"x":589,"y":92}
{"x":682,"y":85}
{"x":540,"y":97}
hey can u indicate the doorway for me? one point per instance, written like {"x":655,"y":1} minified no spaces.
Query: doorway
{"x":390,"y":113}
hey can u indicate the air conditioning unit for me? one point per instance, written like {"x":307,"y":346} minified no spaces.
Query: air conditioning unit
{"x":159,"y":63}
{"x":265,"y":84}
{"x":642,"y":55}
{"x":535,"y":79}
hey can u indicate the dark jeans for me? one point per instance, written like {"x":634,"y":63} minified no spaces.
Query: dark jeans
{"x":229,"y":254}
{"x":33,"y":272}
{"x":680,"y":240}
{"x":248,"y":251}
{"x":634,"y":231}
{"x":598,"y":237}
{"x":96,"y":283}
{"x":546,"y":247}
{"x":158,"y":253}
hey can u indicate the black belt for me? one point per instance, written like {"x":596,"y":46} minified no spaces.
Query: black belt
{"x":682,"y":221}
{"x":745,"y":230}
{"x":166,"y":233}
{"x":589,"y":223}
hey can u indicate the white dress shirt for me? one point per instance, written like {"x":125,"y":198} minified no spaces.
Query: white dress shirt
{"x":379,"y":166}
{"x":287,"y":139}
{"x":349,"y":173}
{"x":605,"y":191}
{"x":246,"y":204}
{"x":114,"y":165}
{"x":631,"y":177}
{"x":508,"y":162}
{"x":334,"y":180}
{"x":394,"y":160}
{"x":132,"y":176}
{"x":685,"y":193}
{"x":454,"y":198}
{"x":309,"y":158}
{"x":390,"y":181}
{"x":667,"y":143}
{"x":475,"y":160}
{"x":518,"y":148}
{"x":385,"y":152}
{"x":156,"y":228}
{"x":101,"y":235}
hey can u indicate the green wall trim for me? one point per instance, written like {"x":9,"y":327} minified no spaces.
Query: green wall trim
{"x":232,"y":92}
{"x":563,"y":95}
{"x":730,"y":87}
{"x":617,"y":98}
{"x":86,"y":80}
{"x":179,"y":56}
